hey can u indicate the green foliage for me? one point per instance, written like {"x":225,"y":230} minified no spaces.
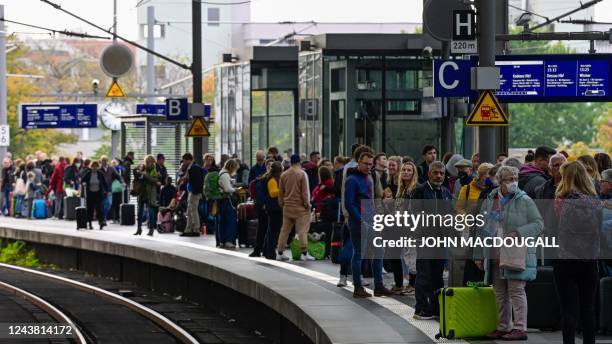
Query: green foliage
{"x":551,"y":124}
{"x":15,"y":253}
{"x":105,"y":147}
{"x":23,"y":141}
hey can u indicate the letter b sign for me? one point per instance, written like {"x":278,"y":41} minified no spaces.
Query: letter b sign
{"x":177,"y":109}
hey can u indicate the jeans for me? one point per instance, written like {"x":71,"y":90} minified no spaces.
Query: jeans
{"x":18,"y":211}
{"x":377,"y":263}
{"x":577,"y":283}
{"x":151,"y":214}
{"x":6,"y":199}
{"x":59,"y":204}
{"x":227,"y":221}
{"x":428,"y":280}
{"x":275,"y":221}
{"x":345,"y":267}
{"x":108,"y":203}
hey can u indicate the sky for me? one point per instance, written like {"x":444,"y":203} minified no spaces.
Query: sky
{"x":101,"y":12}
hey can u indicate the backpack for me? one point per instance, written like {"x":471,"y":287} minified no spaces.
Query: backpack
{"x":212,"y":189}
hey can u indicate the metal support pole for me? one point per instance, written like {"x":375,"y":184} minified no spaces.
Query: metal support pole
{"x":150,"y":57}
{"x":196,"y":69}
{"x":115,"y":134}
{"x":3,"y":93}
{"x":486,"y":46}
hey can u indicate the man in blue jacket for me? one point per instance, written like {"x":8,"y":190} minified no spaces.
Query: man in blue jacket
{"x":358,"y":189}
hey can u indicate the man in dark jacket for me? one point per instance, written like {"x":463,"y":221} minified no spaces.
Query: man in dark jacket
{"x":195,"y":178}
{"x":429,"y":155}
{"x":359,"y":188}
{"x":260,"y":166}
{"x":127,"y":163}
{"x":433,"y":198}
{"x":532,"y":176}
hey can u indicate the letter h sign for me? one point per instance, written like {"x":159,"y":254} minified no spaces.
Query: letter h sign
{"x":464,"y":24}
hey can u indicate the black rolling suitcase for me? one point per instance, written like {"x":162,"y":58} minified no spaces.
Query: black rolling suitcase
{"x":80,"y":214}
{"x":70,"y":205}
{"x":127,"y":214}
{"x":605,"y":305}
{"x":542,"y":302}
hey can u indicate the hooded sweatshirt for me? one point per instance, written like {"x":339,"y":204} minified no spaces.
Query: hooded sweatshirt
{"x":530,"y":177}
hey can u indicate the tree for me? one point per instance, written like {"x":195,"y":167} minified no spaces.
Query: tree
{"x":603,"y":124}
{"x":24,"y":141}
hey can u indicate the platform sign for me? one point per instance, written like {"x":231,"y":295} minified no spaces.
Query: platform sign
{"x":177,"y":109}
{"x":5,"y":135}
{"x":53,"y":115}
{"x":533,"y":78}
{"x":464,"y":32}
{"x":151,"y":109}
{"x":487,"y":112}
{"x":198,"y":128}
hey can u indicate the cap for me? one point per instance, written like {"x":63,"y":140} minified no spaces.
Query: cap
{"x":295,"y":159}
{"x":463,"y":163}
{"x":160,"y":156}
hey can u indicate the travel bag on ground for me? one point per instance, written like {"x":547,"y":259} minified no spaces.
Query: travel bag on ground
{"x":336,"y":242}
{"x":252,"y":226}
{"x":315,"y":248}
{"x":246,"y":212}
{"x":180,"y":222}
{"x":80,"y":215}
{"x":542,"y":303}
{"x":39,"y":210}
{"x":165,"y":223}
{"x":70,"y":205}
{"x":321,"y":231}
{"x":467,"y":312}
{"x":605,"y":305}
{"x":127,"y":214}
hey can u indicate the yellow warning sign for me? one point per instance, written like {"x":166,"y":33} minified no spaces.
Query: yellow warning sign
{"x":487,"y":111}
{"x":115,"y":91}
{"x":198,"y":128}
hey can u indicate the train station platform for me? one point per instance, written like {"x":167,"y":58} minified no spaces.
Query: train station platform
{"x":304,"y":293}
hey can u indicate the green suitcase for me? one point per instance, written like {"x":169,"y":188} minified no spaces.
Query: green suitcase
{"x":468,"y":312}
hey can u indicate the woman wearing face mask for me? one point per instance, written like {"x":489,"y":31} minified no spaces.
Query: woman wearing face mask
{"x":71,"y":174}
{"x":509,"y":211}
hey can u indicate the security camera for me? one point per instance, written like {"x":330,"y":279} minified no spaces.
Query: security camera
{"x":427,"y":52}
{"x":524,"y":20}
{"x":95,"y":85}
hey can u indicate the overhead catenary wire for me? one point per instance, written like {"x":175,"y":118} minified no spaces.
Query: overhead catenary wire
{"x":163,"y":57}
{"x":54,"y":31}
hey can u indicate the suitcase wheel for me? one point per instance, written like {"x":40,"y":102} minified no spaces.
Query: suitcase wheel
{"x":449,"y":292}
{"x":451,"y":334}
{"x":438,"y":335}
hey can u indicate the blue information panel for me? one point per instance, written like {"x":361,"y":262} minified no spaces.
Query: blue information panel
{"x":151,"y":109}
{"x":44,"y":116}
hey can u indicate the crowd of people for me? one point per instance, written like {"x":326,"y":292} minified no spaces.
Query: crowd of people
{"x":291,"y":192}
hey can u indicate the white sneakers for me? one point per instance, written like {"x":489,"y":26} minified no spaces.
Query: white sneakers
{"x":306,"y":257}
{"x":343,"y":281}
{"x":282,"y":257}
{"x":230,"y":245}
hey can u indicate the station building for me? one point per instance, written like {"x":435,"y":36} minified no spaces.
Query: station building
{"x":335,"y":90}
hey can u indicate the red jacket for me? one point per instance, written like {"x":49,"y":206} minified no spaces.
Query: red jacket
{"x":319,"y":195}
{"x":57,"y":179}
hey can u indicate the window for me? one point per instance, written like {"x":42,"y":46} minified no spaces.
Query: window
{"x":404,"y":107}
{"x":213,"y":16}
{"x":159,"y":31}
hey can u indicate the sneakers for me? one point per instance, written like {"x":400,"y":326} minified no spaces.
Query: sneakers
{"x":422,"y":315}
{"x":306,"y":257}
{"x":382,"y":291}
{"x":230,"y":245}
{"x":515,"y":335}
{"x":342,"y":282}
{"x":361,"y":293}
{"x":497,"y":334}
{"x":282,"y":257}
